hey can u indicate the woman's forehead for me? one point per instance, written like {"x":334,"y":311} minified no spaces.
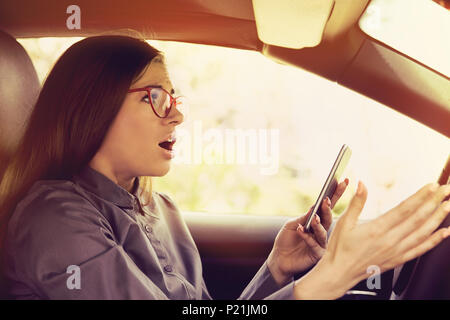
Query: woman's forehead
{"x":155,"y":74}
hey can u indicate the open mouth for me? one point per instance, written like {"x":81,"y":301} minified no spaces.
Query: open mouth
{"x":168,"y":144}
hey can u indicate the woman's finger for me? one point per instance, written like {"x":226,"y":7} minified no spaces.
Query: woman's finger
{"x":319,"y":232}
{"x":354,"y":209}
{"x":326,"y":215}
{"x":431,"y":212}
{"x":424,"y":231}
{"x":431,"y":242}
{"x":293,"y":223}
{"x":308,"y":238}
{"x":398,"y":214}
{"x":340,"y":189}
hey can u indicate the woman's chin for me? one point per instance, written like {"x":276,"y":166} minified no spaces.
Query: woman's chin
{"x":161,"y":170}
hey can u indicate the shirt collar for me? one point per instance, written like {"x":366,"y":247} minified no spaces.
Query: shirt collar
{"x":97,"y":183}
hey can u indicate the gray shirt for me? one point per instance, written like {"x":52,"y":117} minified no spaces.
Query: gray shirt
{"x":89,"y":238}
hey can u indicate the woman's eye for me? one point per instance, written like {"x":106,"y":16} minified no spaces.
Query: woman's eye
{"x":145,"y":99}
{"x":155,"y":97}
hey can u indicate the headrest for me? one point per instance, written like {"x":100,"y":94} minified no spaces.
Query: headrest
{"x":19,"y":88}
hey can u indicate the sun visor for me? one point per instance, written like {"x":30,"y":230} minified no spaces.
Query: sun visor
{"x":418,"y":29}
{"x":293,"y":24}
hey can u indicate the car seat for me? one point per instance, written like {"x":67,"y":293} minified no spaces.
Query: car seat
{"x":19,"y":88}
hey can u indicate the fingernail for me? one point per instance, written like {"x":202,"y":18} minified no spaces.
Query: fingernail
{"x":317,"y":219}
{"x":346,"y":181}
{"x":359,"y":190}
{"x":328,"y":201}
{"x":300,"y":227}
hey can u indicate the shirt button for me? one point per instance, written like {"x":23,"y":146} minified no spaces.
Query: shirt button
{"x":168,"y":268}
{"x":148,"y":228}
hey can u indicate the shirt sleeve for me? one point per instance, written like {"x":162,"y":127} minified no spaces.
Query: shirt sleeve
{"x":264,"y":286}
{"x":62,"y":248}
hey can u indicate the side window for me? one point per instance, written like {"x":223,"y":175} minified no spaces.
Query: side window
{"x":261,"y":137}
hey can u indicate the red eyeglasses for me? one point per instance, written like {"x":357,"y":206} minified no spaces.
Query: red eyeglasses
{"x":159,"y":99}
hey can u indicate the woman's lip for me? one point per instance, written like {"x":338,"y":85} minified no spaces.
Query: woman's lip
{"x":168,"y":153}
{"x":172,"y":137}
{"x":172,"y":141}
{"x":171,"y":144}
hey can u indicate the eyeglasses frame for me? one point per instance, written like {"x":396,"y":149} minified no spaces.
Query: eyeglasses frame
{"x":148,"y":89}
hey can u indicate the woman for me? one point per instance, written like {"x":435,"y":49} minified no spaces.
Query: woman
{"x":83,"y":222}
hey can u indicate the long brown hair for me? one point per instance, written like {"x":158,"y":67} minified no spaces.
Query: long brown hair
{"x":75,"y":108}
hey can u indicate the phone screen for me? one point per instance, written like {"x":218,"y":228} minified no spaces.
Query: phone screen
{"x":331,"y":183}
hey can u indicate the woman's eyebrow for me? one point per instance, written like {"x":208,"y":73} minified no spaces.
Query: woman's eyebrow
{"x":159,"y":86}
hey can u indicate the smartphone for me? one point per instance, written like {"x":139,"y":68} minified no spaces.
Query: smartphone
{"x":331,"y":183}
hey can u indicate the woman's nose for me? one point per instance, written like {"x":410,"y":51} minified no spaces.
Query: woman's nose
{"x":175,"y":116}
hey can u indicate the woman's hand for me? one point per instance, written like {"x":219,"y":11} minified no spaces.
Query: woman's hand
{"x":403,"y":233}
{"x":294,"y":250}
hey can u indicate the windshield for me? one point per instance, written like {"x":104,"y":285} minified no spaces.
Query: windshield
{"x":261,"y":137}
{"x":418,"y":29}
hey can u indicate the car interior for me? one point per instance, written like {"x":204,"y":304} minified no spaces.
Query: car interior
{"x":233,"y":247}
